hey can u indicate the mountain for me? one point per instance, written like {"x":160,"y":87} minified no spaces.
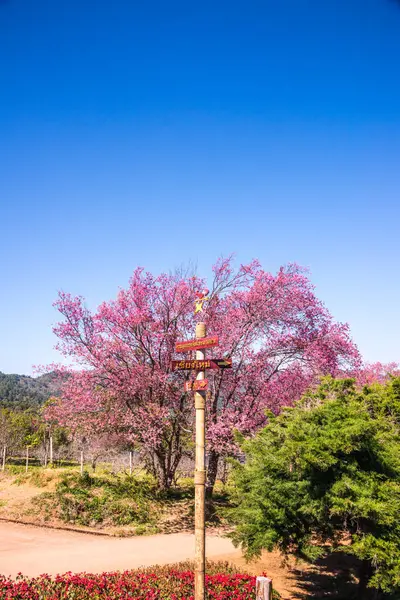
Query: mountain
{"x":22,"y":392}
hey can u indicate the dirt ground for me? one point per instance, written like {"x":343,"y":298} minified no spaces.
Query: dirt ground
{"x":35,"y":550}
{"x":15,"y":500}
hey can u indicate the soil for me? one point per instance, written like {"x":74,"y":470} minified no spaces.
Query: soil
{"x":35,"y":550}
{"x":14,"y":499}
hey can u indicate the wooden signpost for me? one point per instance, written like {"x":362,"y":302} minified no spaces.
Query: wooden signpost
{"x":200,"y":477}
{"x":199,"y":387}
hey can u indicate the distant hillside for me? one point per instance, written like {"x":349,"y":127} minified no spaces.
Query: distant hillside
{"x":22,"y":392}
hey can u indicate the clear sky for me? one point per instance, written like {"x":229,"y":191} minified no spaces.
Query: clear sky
{"x":153,"y":133}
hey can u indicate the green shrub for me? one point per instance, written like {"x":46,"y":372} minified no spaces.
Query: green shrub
{"x":93,"y":499}
{"x":325,"y":475}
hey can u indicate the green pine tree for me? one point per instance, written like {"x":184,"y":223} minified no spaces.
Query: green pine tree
{"x":325,"y":476}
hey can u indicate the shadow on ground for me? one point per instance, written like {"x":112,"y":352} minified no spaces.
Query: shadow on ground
{"x":331,"y":577}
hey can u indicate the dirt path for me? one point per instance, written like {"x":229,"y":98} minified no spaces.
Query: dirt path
{"x":32,"y":550}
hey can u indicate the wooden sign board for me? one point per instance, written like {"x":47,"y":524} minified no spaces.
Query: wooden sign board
{"x":196,"y":386}
{"x":207,"y":342}
{"x":200,"y":365}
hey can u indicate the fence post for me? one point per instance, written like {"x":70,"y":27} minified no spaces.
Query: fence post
{"x":263,"y":588}
{"x":27,"y":459}
{"x":3,"y":466}
{"x":81,"y":462}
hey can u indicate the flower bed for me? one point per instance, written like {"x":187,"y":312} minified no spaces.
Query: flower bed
{"x":159,"y":583}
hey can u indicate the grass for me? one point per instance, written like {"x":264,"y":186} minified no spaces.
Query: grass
{"x":102,"y":500}
{"x":121,"y":503}
{"x":37,"y":477}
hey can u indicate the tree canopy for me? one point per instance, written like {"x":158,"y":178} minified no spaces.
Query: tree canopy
{"x":279,"y":335}
{"x":325,"y":475}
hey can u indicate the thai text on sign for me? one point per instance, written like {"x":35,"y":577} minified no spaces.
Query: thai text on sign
{"x":207,"y":342}
{"x":200,"y":365}
{"x":189,"y":365}
{"x":195,"y":386}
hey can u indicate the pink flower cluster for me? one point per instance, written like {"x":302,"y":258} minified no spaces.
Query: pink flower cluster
{"x":161,"y":584}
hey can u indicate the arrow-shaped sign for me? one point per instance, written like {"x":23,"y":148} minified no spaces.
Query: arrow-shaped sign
{"x":221,"y":363}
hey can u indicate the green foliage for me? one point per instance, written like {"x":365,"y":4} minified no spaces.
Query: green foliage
{"x":184,"y":490}
{"x":325,"y":476}
{"x":107,"y":500}
{"x":36,"y":476}
{"x":18,"y":429}
{"x":22,"y":392}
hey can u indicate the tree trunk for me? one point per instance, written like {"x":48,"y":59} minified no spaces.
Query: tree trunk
{"x":365,"y":574}
{"x":157,"y":465}
{"x":212,"y":470}
{"x":166,"y":470}
{"x":167,"y":480}
{"x":224,"y":477}
{"x":164,"y":461}
{"x":3,"y":466}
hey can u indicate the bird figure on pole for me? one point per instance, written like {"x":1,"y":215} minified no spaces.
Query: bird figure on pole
{"x":201,"y":297}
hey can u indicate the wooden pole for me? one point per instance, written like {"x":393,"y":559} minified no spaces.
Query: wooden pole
{"x":263,"y":588}
{"x":81,"y":462}
{"x":27,"y":459}
{"x":3,"y":466}
{"x":51,"y":450}
{"x":200,"y":478}
{"x":130,"y":462}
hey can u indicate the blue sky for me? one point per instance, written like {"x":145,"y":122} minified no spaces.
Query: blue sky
{"x":125,"y":124}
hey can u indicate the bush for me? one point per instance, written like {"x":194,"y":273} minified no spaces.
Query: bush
{"x":325,"y":476}
{"x":89,"y":500}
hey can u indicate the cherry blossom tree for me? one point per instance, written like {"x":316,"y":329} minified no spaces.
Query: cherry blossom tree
{"x":280,"y":336}
{"x":376,"y":372}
